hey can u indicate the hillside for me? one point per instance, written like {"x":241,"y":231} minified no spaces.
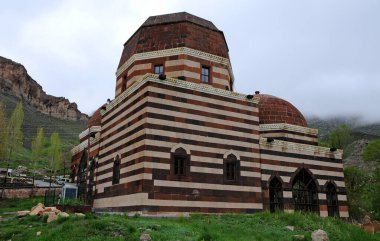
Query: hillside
{"x":15,"y":81}
{"x":54,"y":114}
{"x":359,"y":129}
{"x":67,"y":129}
{"x":360,"y":133}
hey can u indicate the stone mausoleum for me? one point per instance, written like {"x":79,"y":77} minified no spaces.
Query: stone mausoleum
{"x":177,"y":138}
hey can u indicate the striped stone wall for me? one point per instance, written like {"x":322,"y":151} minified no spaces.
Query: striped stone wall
{"x":283,"y":159}
{"x":290,"y":133}
{"x":146,"y":127}
{"x":146,"y":124}
{"x":183,"y":62}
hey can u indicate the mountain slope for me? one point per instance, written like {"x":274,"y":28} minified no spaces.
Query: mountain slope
{"x":15,"y":81}
{"x":33,"y":119}
{"x":53,"y":114}
{"x":358,"y":129}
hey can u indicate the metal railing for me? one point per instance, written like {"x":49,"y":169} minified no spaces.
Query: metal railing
{"x":17,"y":181}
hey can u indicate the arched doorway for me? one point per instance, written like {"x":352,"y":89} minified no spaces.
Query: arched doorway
{"x":332,"y":200}
{"x":275,"y":195}
{"x":305,"y":193}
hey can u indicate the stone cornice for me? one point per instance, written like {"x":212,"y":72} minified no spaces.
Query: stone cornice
{"x":288,"y":127}
{"x":301,"y":147}
{"x":205,"y":88}
{"x":89,"y":130}
{"x":83,"y":145}
{"x":172,"y":52}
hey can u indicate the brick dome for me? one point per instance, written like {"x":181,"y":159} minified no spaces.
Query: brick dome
{"x":181,"y":46}
{"x":275,"y":110}
{"x":173,"y":31}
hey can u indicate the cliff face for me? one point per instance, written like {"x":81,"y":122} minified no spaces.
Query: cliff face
{"x":14,"y":80}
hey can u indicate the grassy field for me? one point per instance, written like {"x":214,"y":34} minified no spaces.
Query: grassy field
{"x":261,"y":227}
{"x":13,"y":205}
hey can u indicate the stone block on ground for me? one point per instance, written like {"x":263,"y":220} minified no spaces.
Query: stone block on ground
{"x":37,"y":209}
{"x":63,"y":214}
{"x":298,"y":237}
{"x":79,"y":214}
{"x":52,"y":209}
{"x":366,"y":219}
{"x":368,"y":227}
{"x":23,"y":213}
{"x":319,"y":235}
{"x":52,"y":216}
{"x":145,"y":237}
{"x":376,"y":226}
{"x":291,"y":228}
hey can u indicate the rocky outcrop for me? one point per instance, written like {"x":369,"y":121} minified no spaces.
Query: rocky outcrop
{"x":15,"y":80}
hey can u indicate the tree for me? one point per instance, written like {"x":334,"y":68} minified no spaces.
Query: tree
{"x":372,"y":151}
{"x":15,"y":135}
{"x":357,"y":183}
{"x":3,"y":132}
{"x":340,"y":137}
{"x":55,"y":153}
{"x":38,"y":146}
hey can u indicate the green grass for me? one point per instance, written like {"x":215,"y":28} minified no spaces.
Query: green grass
{"x":13,"y":205}
{"x":261,"y":227}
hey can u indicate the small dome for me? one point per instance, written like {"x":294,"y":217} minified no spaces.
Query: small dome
{"x":274,"y":110}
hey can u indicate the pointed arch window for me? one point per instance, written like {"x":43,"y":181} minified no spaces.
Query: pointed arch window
{"x":332,"y":200}
{"x":275,"y":195}
{"x":305,"y":193}
{"x":116,"y":171}
{"x":180,"y":163}
{"x":231,"y":169}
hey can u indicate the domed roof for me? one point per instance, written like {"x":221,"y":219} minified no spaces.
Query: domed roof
{"x":173,"y":31}
{"x":275,"y":110}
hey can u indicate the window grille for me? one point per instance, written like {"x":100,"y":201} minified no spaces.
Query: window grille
{"x":305,"y":194}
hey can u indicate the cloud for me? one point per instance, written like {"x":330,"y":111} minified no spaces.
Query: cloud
{"x":76,"y":46}
{"x":321,"y":56}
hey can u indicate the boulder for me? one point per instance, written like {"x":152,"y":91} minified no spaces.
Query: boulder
{"x":23,"y":213}
{"x":368,"y":227}
{"x":319,"y":235}
{"x":79,"y":214}
{"x":145,"y":237}
{"x":38,"y":233}
{"x":52,"y":216}
{"x":37,"y":209}
{"x":376,"y":226}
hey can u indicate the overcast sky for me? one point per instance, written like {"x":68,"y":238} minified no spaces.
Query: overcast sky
{"x":322,"y":56}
